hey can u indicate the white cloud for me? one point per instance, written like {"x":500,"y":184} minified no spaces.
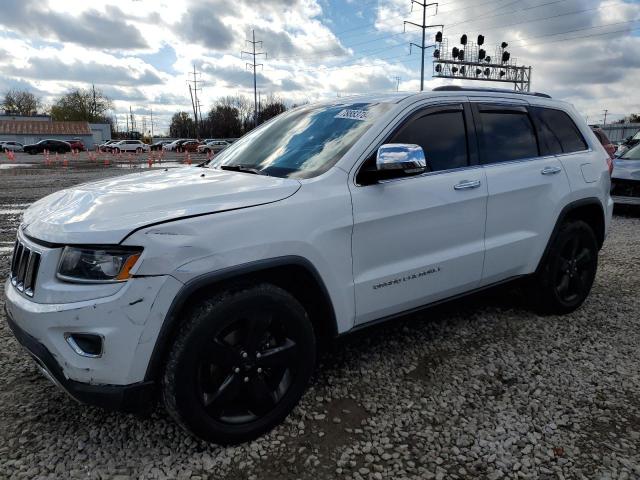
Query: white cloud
{"x":52,"y":45}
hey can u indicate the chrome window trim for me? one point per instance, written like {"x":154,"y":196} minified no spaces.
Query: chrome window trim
{"x":426,"y":174}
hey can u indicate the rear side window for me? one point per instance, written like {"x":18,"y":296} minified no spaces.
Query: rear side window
{"x":442,"y":135}
{"x":558,"y":132}
{"x":507,"y":135}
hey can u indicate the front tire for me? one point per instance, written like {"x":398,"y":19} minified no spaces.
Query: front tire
{"x":564,"y":280}
{"x":239,"y":364}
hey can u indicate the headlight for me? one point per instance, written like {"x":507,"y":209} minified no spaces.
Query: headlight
{"x":97,"y":264}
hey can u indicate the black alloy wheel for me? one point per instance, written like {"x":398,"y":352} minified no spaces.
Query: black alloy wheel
{"x":247,"y":368}
{"x":566,"y":276}
{"x":575,"y":270}
{"x":240,"y":364}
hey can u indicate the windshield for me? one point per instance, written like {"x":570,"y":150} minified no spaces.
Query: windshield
{"x":632,"y":154}
{"x":301,"y":143}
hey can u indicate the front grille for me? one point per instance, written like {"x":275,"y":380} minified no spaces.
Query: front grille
{"x":625,"y":188}
{"x":24,"y":268}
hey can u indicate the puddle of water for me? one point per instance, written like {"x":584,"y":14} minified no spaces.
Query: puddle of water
{"x":7,"y":166}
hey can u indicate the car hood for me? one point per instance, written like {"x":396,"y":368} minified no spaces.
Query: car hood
{"x":626,"y":169}
{"x":105,"y":212}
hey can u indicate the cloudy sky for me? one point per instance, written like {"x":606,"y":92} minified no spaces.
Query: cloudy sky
{"x":140,"y":52}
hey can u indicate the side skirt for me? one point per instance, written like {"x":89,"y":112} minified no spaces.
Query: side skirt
{"x":427,"y":306}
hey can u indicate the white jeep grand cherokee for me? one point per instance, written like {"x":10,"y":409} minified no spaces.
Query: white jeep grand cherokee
{"x":210,"y":286}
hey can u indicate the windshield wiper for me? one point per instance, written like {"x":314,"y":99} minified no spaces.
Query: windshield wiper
{"x":241,"y":168}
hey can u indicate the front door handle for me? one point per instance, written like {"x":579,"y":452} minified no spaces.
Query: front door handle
{"x":550,"y":170}
{"x":467,"y":184}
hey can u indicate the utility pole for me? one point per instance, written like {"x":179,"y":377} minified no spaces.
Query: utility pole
{"x":254,"y":65}
{"x":152,"y":124}
{"x":397,"y":79}
{"x":193,"y":92}
{"x":132,"y":122}
{"x":424,"y":27}
{"x":605,"y":117}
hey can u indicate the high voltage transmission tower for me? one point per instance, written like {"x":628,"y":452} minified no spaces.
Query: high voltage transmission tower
{"x":424,"y":27}
{"x":195,"y":103}
{"x":254,"y":66}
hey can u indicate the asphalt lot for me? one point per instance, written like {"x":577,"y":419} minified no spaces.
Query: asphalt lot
{"x":479,"y":388}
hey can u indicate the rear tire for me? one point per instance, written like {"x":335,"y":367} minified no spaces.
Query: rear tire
{"x":239,"y":364}
{"x":564,"y":280}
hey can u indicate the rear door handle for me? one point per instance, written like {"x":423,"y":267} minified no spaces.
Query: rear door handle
{"x":550,"y":170}
{"x":467,"y":184}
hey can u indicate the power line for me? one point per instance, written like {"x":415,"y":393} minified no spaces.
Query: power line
{"x":254,"y":66}
{"x":424,"y":27}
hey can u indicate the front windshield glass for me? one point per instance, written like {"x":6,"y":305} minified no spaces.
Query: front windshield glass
{"x":301,"y":143}
{"x":632,"y":154}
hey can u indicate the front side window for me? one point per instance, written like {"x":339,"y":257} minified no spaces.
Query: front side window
{"x":507,"y":135}
{"x":559,"y":132}
{"x":441,"y":134}
{"x":301,"y":143}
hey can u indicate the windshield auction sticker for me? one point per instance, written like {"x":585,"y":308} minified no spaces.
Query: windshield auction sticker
{"x":352,"y":114}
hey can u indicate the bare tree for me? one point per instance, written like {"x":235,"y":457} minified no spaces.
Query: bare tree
{"x":21,"y":102}
{"x":90,"y":105}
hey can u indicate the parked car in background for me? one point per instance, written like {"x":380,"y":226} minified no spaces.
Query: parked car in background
{"x":130,"y":146}
{"x":106,"y":146}
{"x":50,"y":145}
{"x":158,"y":145}
{"x":11,"y":146}
{"x":189,"y":146}
{"x":210,"y":287}
{"x":604,"y":141}
{"x":625,"y":181}
{"x":76,"y":144}
{"x":213,"y":146}
{"x":171,"y":146}
{"x":628,"y":143}
{"x":176,"y":145}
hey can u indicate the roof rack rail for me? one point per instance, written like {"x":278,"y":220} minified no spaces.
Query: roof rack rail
{"x":458,"y":88}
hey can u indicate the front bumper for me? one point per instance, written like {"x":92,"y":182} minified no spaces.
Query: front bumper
{"x":134,"y":398}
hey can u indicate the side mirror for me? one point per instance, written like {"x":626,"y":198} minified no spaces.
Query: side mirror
{"x":398,"y":159}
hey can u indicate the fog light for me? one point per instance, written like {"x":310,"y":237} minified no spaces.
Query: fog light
{"x":85,"y":344}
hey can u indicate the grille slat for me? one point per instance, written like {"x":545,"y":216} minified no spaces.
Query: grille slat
{"x":24,"y":268}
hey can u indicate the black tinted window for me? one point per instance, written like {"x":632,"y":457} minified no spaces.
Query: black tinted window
{"x":442,"y":136}
{"x":559,"y":132}
{"x":507,"y":135}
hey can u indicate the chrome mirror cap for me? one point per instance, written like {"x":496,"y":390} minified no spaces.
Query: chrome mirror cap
{"x":405,"y":157}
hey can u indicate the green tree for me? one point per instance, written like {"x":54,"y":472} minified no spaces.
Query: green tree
{"x":182,"y":125}
{"x":89,"y":105}
{"x":20,"y":102}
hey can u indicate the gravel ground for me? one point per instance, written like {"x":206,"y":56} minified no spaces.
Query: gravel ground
{"x":480,"y":388}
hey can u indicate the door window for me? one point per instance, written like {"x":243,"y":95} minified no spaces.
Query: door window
{"x":441,"y":134}
{"x":558,"y":131}
{"x":507,"y":135}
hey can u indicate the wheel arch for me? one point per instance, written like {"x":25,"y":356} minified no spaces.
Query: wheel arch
{"x":295,"y":274}
{"x":589,"y":210}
